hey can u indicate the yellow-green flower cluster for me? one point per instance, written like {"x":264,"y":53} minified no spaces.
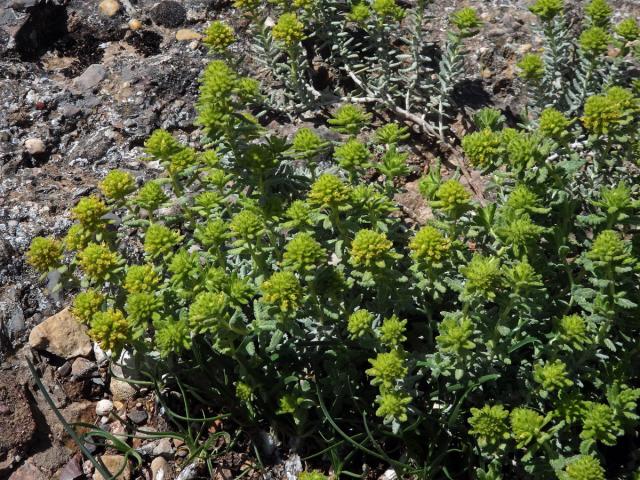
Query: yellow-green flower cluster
{"x":283,"y":290}
{"x":212,"y":233}
{"x":531,"y":67}
{"x":117,"y":185}
{"x":307,"y":143}
{"x":594,"y":41}
{"x":628,"y":29}
{"x":387,"y":10}
{"x":298,"y":215}
{"x":599,"y":13}
{"x":141,"y":307}
{"x":244,"y":392}
{"x":288,"y":29}
{"x":547,"y":9}
{"x":452,"y":198}
{"x":482,"y":276}
{"x":352,"y":155}
{"x":391,"y":134}
{"x":608,"y":247}
{"x":161,"y":145}
{"x":172,"y":337}
{"x":393,"y":406}
{"x":523,"y":150}
{"x":387,"y":369}
{"x":208,"y":311}
{"x":314,"y":475}
{"x":359,"y":323}
{"x":246,"y":225}
{"x":360,"y":13}
{"x":77,"y":237}
{"x":526,"y":426}
{"x":45,"y":253}
{"x":303,"y":253}
{"x":141,"y":278}
{"x":328,"y":191}
{"x":455,"y":335}
{"x":572,"y":330}
{"x":466,"y":21}
{"x":489,"y":425}
{"x":160,"y":240}
{"x":552,"y":375}
{"x":90,"y":212}
{"x":584,"y":467}
{"x":370,"y":249}
{"x":98,"y":261}
{"x":180,"y":161}
{"x":483,"y":148}
{"x":110,"y":329}
{"x":392,"y":332}
{"x":554,"y":124}
{"x":607,"y":114}
{"x":218,"y":36}
{"x":522,"y":199}
{"x":86,"y":304}
{"x":349,"y":119}
{"x":600,"y":424}
{"x":151,"y":196}
{"x":429,"y":245}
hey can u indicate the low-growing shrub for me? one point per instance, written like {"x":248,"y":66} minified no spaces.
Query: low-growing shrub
{"x":272,"y":279}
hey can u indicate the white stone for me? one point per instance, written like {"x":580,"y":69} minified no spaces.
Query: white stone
{"x":104,"y":407}
{"x":35,"y":146}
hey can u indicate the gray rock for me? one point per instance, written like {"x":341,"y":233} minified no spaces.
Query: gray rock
{"x":137,"y":416}
{"x":90,"y":78}
{"x":164,"y":449}
{"x":82,"y":368}
{"x":168,"y":14}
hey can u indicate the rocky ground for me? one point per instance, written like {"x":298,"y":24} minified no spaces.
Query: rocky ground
{"x":82,"y":84}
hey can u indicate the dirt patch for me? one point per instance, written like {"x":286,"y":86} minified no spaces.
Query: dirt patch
{"x":17,"y":426}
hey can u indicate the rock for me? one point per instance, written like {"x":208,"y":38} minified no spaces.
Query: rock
{"x":73,"y":469}
{"x":104,"y":407}
{"x":160,"y":469}
{"x":109,"y":7}
{"x":135,"y":24}
{"x":137,"y":416}
{"x":99,"y":354}
{"x":120,"y":390}
{"x":64,"y":369}
{"x":186,"y":34}
{"x":28,"y":471}
{"x":82,"y":368}
{"x":90,"y":78}
{"x":35,"y":146}
{"x":61,"y":335}
{"x":168,"y":14}
{"x":164,"y":449}
{"x":114,"y":463}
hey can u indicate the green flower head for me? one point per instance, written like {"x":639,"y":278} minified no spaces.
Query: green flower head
{"x":615,"y":199}
{"x":387,"y":369}
{"x":110,"y":329}
{"x":599,"y":13}
{"x":455,"y":335}
{"x":218,"y":36}
{"x":584,"y":467}
{"x":483,"y":148}
{"x":44,"y":254}
{"x":531,"y":67}
{"x":352,"y":155}
{"x":98,"y":261}
{"x":482,"y":276}
{"x":172,"y":337}
{"x":466,"y":21}
{"x":246,"y":225}
{"x":594,"y":41}
{"x":208,"y":311}
{"x":283,"y":290}
{"x":387,"y":10}
{"x":151,"y":196}
{"x":359,"y":323}
{"x":392,"y":332}
{"x":307,"y":144}
{"x":160,"y":240}
{"x":86,"y":304}
{"x":489,"y":118}
{"x":547,"y":10}
{"x":430,"y":246}
{"x":554,"y":124}
{"x":452,"y":198}
{"x":298,"y":215}
{"x":211,"y":234}
{"x":314,"y":475}
{"x":393,"y":406}
{"x":608,"y":248}
{"x":141,"y":278}
{"x":349,"y":119}
{"x":328,"y":191}
{"x":526,"y":426}
{"x":141,"y":307}
{"x":161,"y":145}
{"x":185,"y":158}
{"x":600,"y":424}
{"x":604,"y":114}
{"x":117,"y":185}
{"x":572,"y":331}
{"x":524,"y":150}
{"x":489,"y":425}
{"x":522,"y":199}
{"x":89,"y":212}
{"x":522,"y":277}
{"x":552,"y":375}
{"x":303,"y":253}
{"x":77,"y":237}
{"x":628,"y":29}
{"x":370,"y":249}
{"x":520,"y":232}
{"x":288,"y":30}
{"x":391,"y":134}
{"x":244,"y":392}
{"x":360,"y":13}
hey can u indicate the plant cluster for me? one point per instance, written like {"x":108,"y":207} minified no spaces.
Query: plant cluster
{"x":276,"y":280}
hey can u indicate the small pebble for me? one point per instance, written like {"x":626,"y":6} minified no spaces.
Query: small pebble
{"x":109,"y":7}
{"x":135,"y":24}
{"x":137,"y":416}
{"x":104,"y":407}
{"x":186,"y":34}
{"x":35,"y":146}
